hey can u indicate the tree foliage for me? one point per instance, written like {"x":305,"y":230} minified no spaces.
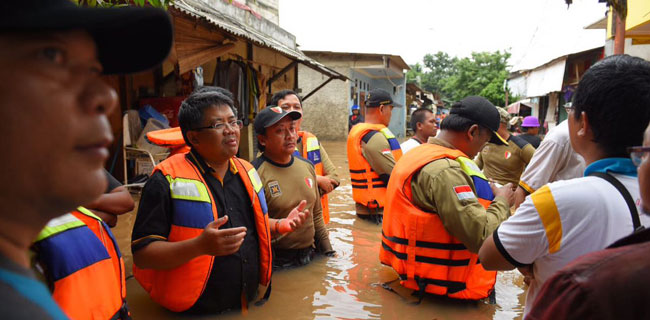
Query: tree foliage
{"x":483,"y":74}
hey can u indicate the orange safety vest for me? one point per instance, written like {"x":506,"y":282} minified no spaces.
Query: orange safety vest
{"x":82,"y":261}
{"x":417,"y":245}
{"x":171,"y":138}
{"x":311,"y":152}
{"x":193,"y":208}
{"x":367,"y":188}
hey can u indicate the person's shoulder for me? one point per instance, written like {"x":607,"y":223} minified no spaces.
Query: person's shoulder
{"x":436,"y":167}
{"x":24,"y":303}
{"x":303,"y":163}
{"x":519,"y":141}
{"x":257,"y":163}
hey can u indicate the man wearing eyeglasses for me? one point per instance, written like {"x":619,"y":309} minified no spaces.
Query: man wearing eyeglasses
{"x":202,"y":237}
{"x":566,"y":219}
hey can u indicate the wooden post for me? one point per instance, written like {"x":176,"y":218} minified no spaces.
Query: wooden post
{"x":619,"y":37}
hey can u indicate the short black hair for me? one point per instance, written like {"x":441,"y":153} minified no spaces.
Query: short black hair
{"x":280,"y":95}
{"x":418,"y":116}
{"x":225,"y":92}
{"x":615,"y":95}
{"x":190,"y":114}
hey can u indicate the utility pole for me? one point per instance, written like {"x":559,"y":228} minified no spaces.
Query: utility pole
{"x":619,"y":37}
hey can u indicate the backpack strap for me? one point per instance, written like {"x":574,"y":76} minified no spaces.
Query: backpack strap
{"x":626,"y":195}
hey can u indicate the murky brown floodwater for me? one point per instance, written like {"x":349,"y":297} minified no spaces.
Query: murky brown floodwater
{"x":346,"y":286}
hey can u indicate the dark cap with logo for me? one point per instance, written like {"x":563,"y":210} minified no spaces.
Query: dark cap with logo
{"x":481,"y":111}
{"x":128,"y":39}
{"x":270,"y":116}
{"x":377,"y":97}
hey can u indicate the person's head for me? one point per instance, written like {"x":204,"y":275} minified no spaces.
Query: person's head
{"x":530,"y":125}
{"x":610,"y":108}
{"x":379,"y":107}
{"x":355,"y":109}
{"x":53,"y":101}
{"x":504,"y":118}
{"x":288,"y":100}
{"x":223,"y":91}
{"x":640,"y":156}
{"x":423,"y":123}
{"x":209,"y":125}
{"x":276,"y":131}
{"x":471,"y":123}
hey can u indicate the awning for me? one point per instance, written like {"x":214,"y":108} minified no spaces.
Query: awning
{"x":546,"y":79}
{"x":201,"y":10}
{"x":514,"y":108}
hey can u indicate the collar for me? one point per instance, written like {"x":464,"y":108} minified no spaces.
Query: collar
{"x":204,"y":167}
{"x":416,"y":140}
{"x":440,"y":142}
{"x":613,"y":165}
{"x":267,"y":159}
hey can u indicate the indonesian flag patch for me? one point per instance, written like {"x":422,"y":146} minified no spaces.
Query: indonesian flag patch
{"x":464,"y":192}
{"x":385,"y":151}
{"x":309,"y":182}
{"x":508,"y":154}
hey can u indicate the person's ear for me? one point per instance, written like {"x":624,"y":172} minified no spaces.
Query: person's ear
{"x":584,"y":128}
{"x":192,"y":136}
{"x":473,"y":132}
{"x":419,"y":125}
{"x":262,"y":140}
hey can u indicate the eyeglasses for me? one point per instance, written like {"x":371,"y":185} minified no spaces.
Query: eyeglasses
{"x":638,"y":155}
{"x":220,"y":126}
{"x":568,"y":109}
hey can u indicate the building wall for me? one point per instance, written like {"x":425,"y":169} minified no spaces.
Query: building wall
{"x":266,"y":8}
{"x":325,"y":113}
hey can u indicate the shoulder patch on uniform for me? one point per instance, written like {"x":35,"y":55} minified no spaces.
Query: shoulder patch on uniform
{"x":464,"y":192}
{"x":309,"y":182}
{"x":519,"y":141}
{"x":274,"y":189}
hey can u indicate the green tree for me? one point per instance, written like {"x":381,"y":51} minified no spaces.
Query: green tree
{"x":413,"y":74}
{"x":440,"y":67}
{"x":481,"y":74}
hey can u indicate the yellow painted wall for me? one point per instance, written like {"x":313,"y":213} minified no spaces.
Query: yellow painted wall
{"x":638,"y":13}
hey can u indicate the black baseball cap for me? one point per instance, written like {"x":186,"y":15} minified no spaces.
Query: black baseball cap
{"x":128,"y":39}
{"x":377,"y":97}
{"x":481,"y":111}
{"x":271,"y":115}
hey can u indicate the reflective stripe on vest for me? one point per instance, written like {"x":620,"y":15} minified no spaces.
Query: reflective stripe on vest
{"x":417,"y":245}
{"x":194,"y":207}
{"x":82,"y":261}
{"x":367,"y":188}
{"x":311,"y":152}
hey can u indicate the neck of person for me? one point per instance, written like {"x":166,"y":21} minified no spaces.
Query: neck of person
{"x":453,"y":138}
{"x":17,"y":234}
{"x":503,"y":132}
{"x":591,"y":153}
{"x":280,"y":158}
{"x":420,"y":138}
{"x":220,"y":167}
{"x":373,"y":117}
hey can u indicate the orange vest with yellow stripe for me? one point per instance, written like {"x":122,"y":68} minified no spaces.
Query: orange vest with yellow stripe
{"x":82,"y":261}
{"x":417,"y":245}
{"x":367,"y":188}
{"x":194,"y":208}
{"x":311,"y":152}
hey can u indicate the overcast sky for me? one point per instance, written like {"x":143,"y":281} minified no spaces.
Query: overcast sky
{"x":533,"y":30}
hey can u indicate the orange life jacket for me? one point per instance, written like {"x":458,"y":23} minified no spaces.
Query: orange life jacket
{"x":194,"y":207}
{"x":367,"y":188}
{"x":171,"y":138}
{"x":311,"y":152}
{"x":417,"y":245}
{"x":82,"y":261}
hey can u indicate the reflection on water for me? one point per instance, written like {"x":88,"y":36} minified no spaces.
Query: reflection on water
{"x":347,"y":286}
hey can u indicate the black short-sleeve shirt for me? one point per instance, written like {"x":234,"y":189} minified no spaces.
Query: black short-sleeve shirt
{"x":231,"y":275}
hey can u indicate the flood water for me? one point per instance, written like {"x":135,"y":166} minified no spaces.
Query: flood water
{"x":347,"y":286}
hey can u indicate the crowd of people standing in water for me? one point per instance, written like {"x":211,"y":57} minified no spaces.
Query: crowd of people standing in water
{"x":570,"y":215}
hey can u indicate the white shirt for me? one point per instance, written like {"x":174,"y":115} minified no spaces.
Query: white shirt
{"x":564,"y":220}
{"x":408,"y":145}
{"x":554,"y":160}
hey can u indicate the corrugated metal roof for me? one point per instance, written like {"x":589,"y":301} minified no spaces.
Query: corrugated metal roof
{"x":201,"y":10}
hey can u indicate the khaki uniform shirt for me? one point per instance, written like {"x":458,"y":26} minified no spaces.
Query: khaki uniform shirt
{"x":433,"y":191}
{"x":380,"y":160}
{"x":505,"y":164}
{"x":284,"y":187}
{"x":328,"y":167}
